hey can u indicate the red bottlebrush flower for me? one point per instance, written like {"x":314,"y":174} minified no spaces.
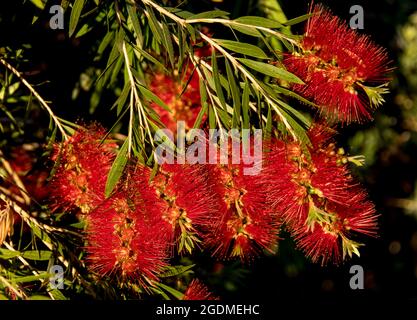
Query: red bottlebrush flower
{"x":83,"y":165}
{"x":191,"y":207}
{"x":22,"y":162}
{"x":127,"y":238}
{"x":183,"y":107}
{"x":247,"y":224}
{"x":184,"y":102}
{"x":198,"y":291}
{"x":318,"y":199}
{"x":344,"y":72}
{"x":322,"y":246}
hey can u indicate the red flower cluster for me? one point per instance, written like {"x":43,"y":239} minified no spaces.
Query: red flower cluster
{"x":214,"y":206}
{"x":198,"y":291}
{"x":83,"y":164}
{"x":183,"y":107}
{"x":318,"y":199}
{"x":190,"y":209}
{"x":126,"y":236}
{"x":182,"y":95}
{"x":247,"y":225}
{"x":23,"y":162}
{"x":344,"y":72}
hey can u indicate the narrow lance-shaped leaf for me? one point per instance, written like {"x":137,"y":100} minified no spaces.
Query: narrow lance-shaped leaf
{"x":131,"y":10}
{"x":249,"y":30}
{"x":151,"y":96}
{"x":235,"y":95}
{"x":167,"y":41}
{"x":217,"y":83}
{"x":117,"y":168}
{"x":268,"y":125}
{"x":75,"y":15}
{"x":172,"y":271}
{"x":204,"y":104}
{"x":298,"y":19}
{"x":258,"y":21}
{"x":271,"y":70}
{"x":178,"y":295}
{"x":208,"y":15}
{"x":243,"y":48}
{"x":245,"y":106}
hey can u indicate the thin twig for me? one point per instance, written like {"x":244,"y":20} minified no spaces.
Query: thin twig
{"x":17,"y":292}
{"x":227,"y":55}
{"x":15,"y":177}
{"x":25,"y":263}
{"x":37,"y":95}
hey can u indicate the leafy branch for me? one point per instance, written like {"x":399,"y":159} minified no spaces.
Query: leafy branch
{"x":43,"y":103}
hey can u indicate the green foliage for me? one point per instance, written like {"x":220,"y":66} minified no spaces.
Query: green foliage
{"x":242,"y":85}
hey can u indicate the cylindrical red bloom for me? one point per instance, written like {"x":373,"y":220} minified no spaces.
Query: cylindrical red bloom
{"x":181,"y":93}
{"x":344,"y":72}
{"x":191,"y":207}
{"x":198,"y":291}
{"x":184,"y":103}
{"x":317,"y":198}
{"x":247,"y":223}
{"x":83,"y":163}
{"x":126,"y":237}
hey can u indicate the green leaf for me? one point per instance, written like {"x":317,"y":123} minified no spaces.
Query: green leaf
{"x":149,"y":57}
{"x":234,"y":89}
{"x":271,"y":70}
{"x":75,"y":15}
{"x":249,"y":30}
{"x":39,"y":3}
{"x":121,"y":100}
{"x":43,"y":275}
{"x":245,"y":106}
{"x":41,"y":234}
{"x":298,"y":19}
{"x":208,"y":15}
{"x":243,"y":48}
{"x":105,"y":42}
{"x":294,"y":95}
{"x":78,"y":225}
{"x":268,"y":126}
{"x":39,"y":297}
{"x":30,"y":254}
{"x":173,"y":271}
{"x":8,"y":254}
{"x":151,"y":96}
{"x":299,"y":125}
{"x":202,"y":112}
{"x":180,"y":12}
{"x":40,"y":255}
{"x":154,"y":25}
{"x":174,"y":292}
{"x":131,"y":10}
{"x":58,"y":295}
{"x":216,"y":78}
{"x":258,"y":21}
{"x":167,"y":41}
{"x":117,"y":169}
